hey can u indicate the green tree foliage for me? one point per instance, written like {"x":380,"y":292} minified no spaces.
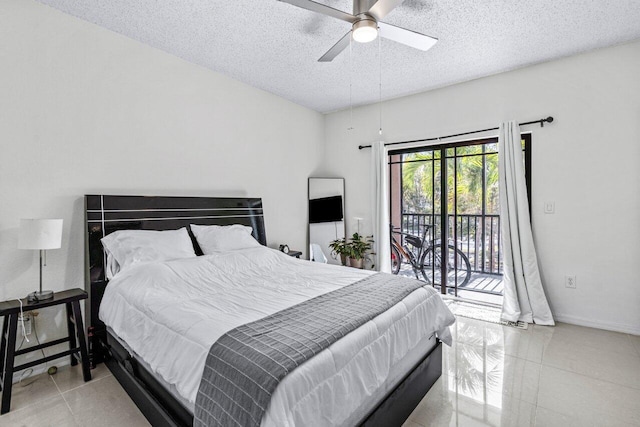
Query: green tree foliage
{"x":418,"y":175}
{"x":421,"y":187}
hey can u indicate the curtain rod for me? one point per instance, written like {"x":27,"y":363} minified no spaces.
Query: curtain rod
{"x":541,"y":121}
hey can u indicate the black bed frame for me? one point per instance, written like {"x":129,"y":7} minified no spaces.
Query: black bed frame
{"x":106,"y":214}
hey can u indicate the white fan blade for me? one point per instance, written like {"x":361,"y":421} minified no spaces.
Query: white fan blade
{"x":408,"y":37}
{"x":342,"y":44}
{"x":383,"y":7}
{"x":321,"y":8}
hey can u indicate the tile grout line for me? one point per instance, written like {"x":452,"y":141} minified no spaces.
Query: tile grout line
{"x":93,"y":380}
{"x":558,"y":412}
{"x":519,"y":400}
{"x":73,"y":414}
{"x":505,"y":353}
{"x":55,"y":383}
{"x":42,"y":399}
{"x":592,"y":378}
{"x":68,"y":406}
{"x":535,"y":415}
{"x":504,"y":394}
{"x":64,"y":399}
{"x":61,"y":393}
{"x":584,"y":375}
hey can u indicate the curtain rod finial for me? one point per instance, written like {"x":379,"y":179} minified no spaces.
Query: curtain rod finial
{"x":548,"y":120}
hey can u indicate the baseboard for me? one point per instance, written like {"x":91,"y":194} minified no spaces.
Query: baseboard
{"x":39,"y":369}
{"x":609,"y":326}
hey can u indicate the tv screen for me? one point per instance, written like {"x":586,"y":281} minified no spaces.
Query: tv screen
{"x":326,"y":209}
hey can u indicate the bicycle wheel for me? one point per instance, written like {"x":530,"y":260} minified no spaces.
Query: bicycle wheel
{"x":396,"y":260}
{"x":431,"y":263}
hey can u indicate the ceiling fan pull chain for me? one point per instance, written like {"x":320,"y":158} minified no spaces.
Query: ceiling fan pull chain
{"x":380,"y":88}
{"x":351,"y":82}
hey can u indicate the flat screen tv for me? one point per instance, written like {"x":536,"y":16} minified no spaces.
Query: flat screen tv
{"x":325,"y":209}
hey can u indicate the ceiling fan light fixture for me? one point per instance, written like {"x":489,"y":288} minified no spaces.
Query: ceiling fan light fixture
{"x":365,"y":31}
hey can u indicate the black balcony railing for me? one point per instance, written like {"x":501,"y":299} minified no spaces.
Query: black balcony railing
{"x":478,"y":236}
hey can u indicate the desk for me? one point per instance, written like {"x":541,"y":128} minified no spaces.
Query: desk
{"x":10,"y":310}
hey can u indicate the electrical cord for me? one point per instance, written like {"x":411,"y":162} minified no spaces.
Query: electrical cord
{"x":50,"y":370}
{"x":35,"y":331}
{"x":26,"y":374}
{"x":24,"y":331}
{"x":29,"y":371}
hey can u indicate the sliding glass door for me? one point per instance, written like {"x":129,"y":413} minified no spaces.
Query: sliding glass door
{"x":449,"y":195}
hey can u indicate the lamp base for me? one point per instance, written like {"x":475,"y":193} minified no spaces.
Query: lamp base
{"x":40,"y":296}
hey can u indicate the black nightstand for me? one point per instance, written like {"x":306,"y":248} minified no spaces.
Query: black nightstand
{"x":295,"y":254}
{"x":77,"y":350}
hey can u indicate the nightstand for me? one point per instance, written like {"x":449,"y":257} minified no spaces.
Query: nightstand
{"x":295,"y":254}
{"x":10,"y":310}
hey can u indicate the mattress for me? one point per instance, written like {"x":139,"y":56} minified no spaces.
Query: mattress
{"x":170,"y":388}
{"x":396,"y":373}
{"x":170,"y":313}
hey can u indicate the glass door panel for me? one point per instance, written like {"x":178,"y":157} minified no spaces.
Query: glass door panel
{"x":465,"y":254}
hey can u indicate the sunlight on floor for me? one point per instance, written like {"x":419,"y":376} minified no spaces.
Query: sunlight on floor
{"x":566,"y":375}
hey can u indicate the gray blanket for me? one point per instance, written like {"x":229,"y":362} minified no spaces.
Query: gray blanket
{"x":245,"y":365}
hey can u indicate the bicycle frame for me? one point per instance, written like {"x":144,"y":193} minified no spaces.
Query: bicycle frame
{"x":437,"y":264}
{"x":407,"y":253}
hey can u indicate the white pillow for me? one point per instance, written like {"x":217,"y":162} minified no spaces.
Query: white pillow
{"x":112,"y":268}
{"x":132,"y":247}
{"x":218,"y":238}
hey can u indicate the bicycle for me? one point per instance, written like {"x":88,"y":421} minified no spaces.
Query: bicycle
{"x":425,"y":258}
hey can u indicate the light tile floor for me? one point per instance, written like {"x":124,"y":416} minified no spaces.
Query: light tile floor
{"x":566,"y":375}
{"x":64,"y":399}
{"x":493,"y":375}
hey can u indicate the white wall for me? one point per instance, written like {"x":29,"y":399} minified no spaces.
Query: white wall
{"x":587,"y":161}
{"x":84,"y":110}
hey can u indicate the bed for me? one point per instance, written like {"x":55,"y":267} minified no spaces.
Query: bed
{"x":155,"y":339}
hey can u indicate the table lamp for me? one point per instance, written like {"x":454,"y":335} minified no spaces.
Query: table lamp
{"x":40,"y":234}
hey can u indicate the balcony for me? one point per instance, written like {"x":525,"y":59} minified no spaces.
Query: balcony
{"x":478,"y":237}
{"x":456,"y":183}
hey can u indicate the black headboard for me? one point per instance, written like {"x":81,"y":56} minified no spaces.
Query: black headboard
{"x":106,"y":214}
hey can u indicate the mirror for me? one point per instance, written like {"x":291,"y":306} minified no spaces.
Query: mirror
{"x":326,"y":217}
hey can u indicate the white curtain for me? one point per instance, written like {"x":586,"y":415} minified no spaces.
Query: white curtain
{"x":524,"y":297}
{"x":380,"y":208}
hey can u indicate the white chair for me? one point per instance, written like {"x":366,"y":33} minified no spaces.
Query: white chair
{"x":316,"y":253}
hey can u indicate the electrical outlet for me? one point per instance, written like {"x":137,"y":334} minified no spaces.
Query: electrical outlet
{"x":570,"y":282}
{"x":549,"y":207}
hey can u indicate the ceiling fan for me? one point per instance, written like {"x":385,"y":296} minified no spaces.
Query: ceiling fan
{"x":366,"y":23}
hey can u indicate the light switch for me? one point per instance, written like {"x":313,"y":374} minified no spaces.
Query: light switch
{"x":549,"y":207}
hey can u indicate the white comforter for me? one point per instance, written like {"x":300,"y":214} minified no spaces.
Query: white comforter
{"x":171,"y":313}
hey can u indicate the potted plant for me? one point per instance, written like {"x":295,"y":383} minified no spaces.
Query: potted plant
{"x":340,"y":247}
{"x":358,"y":248}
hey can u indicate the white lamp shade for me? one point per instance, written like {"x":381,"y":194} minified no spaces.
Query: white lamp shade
{"x":40,"y":234}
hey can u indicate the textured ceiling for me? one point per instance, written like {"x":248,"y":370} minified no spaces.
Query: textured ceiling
{"x":275,"y":46}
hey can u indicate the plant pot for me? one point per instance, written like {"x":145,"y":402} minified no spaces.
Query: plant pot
{"x":357,"y":263}
{"x":343,"y":258}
